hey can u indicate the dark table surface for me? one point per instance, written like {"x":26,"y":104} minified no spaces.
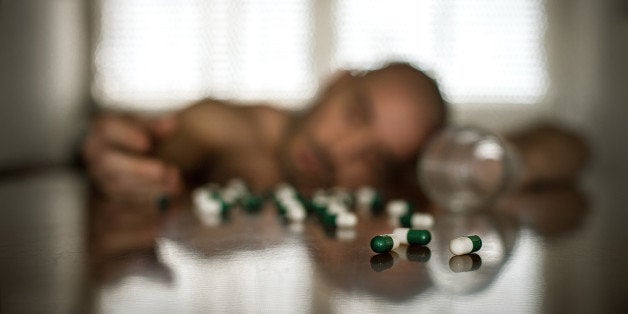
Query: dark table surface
{"x":562,"y":249}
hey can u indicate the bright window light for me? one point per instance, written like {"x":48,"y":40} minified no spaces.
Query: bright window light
{"x":161,"y":54}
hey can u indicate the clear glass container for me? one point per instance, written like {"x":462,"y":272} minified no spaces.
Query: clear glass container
{"x":467,"y":168}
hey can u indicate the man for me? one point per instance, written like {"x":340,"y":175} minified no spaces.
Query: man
{"x":363,"y":129}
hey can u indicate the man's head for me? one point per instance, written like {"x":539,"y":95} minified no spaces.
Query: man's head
{"x":363,"y":127}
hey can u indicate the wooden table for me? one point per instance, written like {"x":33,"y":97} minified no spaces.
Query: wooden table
{"x":557,"y":250}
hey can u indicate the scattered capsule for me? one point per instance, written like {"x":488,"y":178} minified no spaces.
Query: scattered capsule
{"x":336,"y":207}
{"x":412,"y":236}
{"x":367,"y":198}
{"x":464,"y":263}
{"x":342,"y":195}
{"x":208,"y":203}
{"x":285,"y":191}
{"x":252,"y":202}
{"x":465,"y":245}
{"x":341,"y":220}
{"x":397,"y":208}
{"x":384,"y":243}
{"x":292,"y":209}
{"x":417,"y":220}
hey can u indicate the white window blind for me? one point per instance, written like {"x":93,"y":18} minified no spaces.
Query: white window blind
{"x":153,"y":54}
{"x":481,"y":51}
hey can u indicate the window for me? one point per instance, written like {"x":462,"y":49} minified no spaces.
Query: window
{"x":153,"y":54}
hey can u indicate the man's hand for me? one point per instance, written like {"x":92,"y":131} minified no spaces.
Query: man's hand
{"x":119,"y":158}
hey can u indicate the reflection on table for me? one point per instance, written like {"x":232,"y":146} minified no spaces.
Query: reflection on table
{"x":145,"y":260}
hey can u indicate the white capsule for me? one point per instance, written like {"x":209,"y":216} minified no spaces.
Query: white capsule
{"x":205,"y":203}
{"x":397,"y":208}
{"x":365,"y":196}
{"x":342,"y":195}
{"x":465,"y":245}
{"x":422,"y":221}
{"x":237,"y":185}
{"x":295,"y":212}
{"x":285,"y":191}
{"x":346,"y":220}
{"x":336,"y":207}
{"x":229,"y":195}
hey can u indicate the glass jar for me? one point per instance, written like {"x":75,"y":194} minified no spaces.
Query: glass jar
{"x":467,"y":168}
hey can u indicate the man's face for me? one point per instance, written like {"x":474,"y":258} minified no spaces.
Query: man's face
{"x":363,"y":127}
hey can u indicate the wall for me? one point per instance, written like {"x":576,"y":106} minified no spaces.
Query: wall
{"x":43,"y":80}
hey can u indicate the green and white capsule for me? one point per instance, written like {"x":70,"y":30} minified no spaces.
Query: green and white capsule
{"x":465,"y":245}
{"x":208,"y":203}
{"x":341,"y":220}
{"x":397,"y":208}
{"x":384,"y":243}
{"x":292,"y":209}
{"x":413,"y":236}
{"x":417,"y":220}
{"x":367,"y":198}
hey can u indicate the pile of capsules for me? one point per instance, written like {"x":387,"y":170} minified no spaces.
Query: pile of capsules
{"x":213,"y":202}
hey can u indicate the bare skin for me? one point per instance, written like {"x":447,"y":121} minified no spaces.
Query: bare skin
{"x":360,"y":128}
{"x":363,"y":129}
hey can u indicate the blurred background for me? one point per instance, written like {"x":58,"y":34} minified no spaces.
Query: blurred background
{"x":501,"y":63}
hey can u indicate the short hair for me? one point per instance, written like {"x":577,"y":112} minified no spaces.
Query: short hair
{"x":432,"y":85}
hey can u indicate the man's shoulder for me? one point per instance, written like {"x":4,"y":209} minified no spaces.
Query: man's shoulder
{"x":231,"y":123}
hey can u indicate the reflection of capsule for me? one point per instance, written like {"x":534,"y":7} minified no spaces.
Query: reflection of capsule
{"x":418,"y":253}
{"x":465,"y":245}
{"x":464,"y":263}
{"x":383,"y":261}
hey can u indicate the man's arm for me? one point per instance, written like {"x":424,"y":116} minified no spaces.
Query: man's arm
{"x":118,"y":157}
{"x":207,"y":130}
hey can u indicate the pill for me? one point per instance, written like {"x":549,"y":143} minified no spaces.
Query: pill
{"x":465,"y":245}
{"x":464,"y":263}
{"x":296,"y":213}
{"x":342,"y":220}
{"x":412,"y":236}
{"x":397,"y":208}
{"x":292,"y":209}
{"x":252,"y":202}
{"x":285,"y":191}
{"x":384,"y":243}
{"x":342,"y":195}
{"x":336,"y":207}
{"x":383,"y":261}
{"x":417,"y":220}
{"x":367,"y":198}
{"x":208,"y":203}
